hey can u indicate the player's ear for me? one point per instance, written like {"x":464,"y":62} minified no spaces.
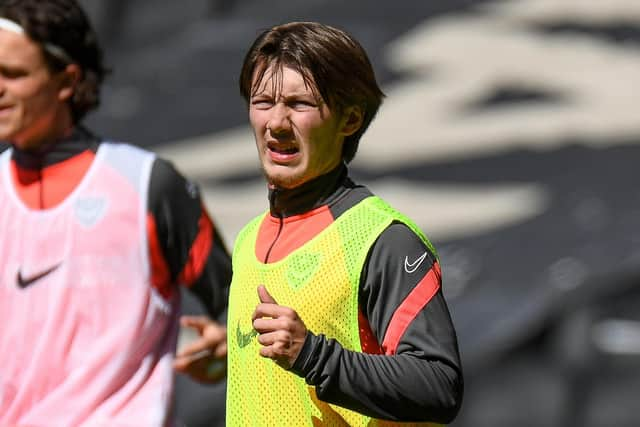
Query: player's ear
{"x":69,"y":78}
{"x":351,"y":120}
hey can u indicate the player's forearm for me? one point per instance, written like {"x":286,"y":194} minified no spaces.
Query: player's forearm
{"x":404,"y":387}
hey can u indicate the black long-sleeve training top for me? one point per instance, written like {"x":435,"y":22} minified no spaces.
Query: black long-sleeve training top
{"x":410,"y":369}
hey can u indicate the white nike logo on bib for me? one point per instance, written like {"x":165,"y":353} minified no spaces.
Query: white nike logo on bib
{"x":410,"y":267}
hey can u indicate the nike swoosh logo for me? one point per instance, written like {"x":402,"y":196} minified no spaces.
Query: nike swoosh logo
{"x":244,"y":339}
{"x":410,"y":267}
{"x":23,"y":282}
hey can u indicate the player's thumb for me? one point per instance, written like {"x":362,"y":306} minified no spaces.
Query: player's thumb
{"x":265,"y":296}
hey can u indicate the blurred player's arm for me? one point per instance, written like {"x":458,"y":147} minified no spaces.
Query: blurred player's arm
{"x":187,"y":249}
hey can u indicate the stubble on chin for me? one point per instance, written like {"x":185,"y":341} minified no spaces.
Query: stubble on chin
{"x":276,"y":180}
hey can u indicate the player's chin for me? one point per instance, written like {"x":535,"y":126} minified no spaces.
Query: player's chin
{"x":283,"y":176}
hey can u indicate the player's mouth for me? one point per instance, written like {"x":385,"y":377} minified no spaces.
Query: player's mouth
{"x":4,"y":109}
{"x":282,"y":152}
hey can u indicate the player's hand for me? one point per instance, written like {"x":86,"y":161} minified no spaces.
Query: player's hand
{"x":205,"y":358}
{"x":281,"y":331}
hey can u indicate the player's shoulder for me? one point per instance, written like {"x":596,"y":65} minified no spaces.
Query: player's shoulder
{"x":398,"y":237}
{"x":167,"y":181}
{"x":164,"y":170}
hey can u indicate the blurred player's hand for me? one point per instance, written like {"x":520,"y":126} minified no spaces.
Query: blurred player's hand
{"x":205,"y":358}
{"x":281,"y":331}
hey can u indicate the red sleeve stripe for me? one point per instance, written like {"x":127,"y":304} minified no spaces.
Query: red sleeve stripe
{"x":409,"y":309}
{"x":199,"y":251}
{"x":367,"y":338}
{"x":160,"y":277}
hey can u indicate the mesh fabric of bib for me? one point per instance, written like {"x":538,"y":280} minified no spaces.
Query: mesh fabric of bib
{"x":320,"y":281}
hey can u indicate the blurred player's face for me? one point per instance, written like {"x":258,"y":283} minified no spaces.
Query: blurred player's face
{"x":32,"y":99}
{"x":297,"y":136}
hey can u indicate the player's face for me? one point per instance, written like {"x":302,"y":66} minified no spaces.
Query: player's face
{"x":297,"y":136}
{"x":30,"y":95}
